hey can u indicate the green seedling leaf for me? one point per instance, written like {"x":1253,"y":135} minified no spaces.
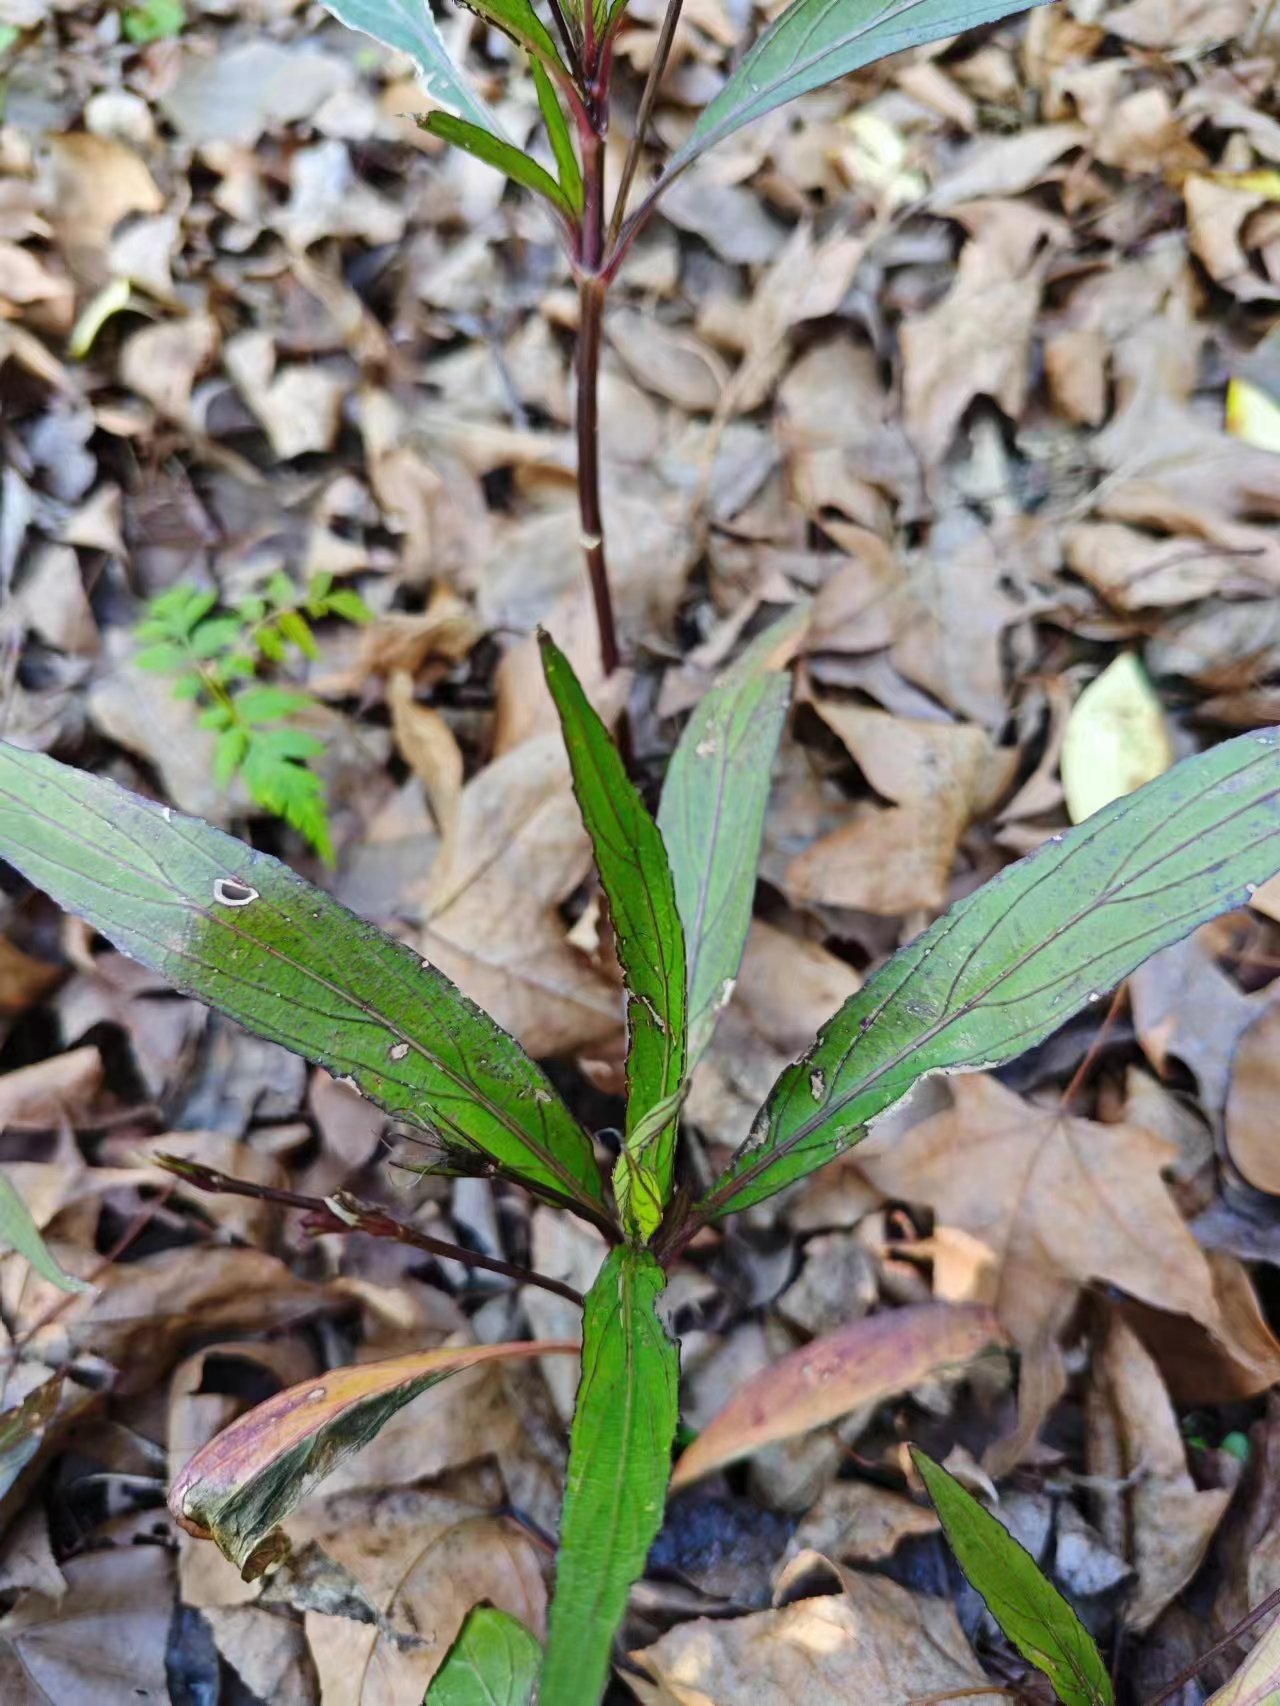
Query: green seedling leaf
{"x":242,"y":932}
{"x":157,"y":20}
{"x":1027,"y":1606}
{"x":504,"y":155}
{"x":558,"y":136}
{"x":19,"y":1232}
{"x":408,"y":26}
{"x":268,"y":704}
{"x":238,"y":1489}
{"x":815,"y":41}
{"x":712,"y":816}
{"x":638,"y":886}
{"x":619,"y":1460}
{"x":494,"y":1662}
{"x":878,"y":1357}
{"x":1257,"y":1682}
{"x":1010,"y":964}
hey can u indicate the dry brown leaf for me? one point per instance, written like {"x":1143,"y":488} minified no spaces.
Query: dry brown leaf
{"x":489,"y":906}
{"x":1187,"y":25}
{"x":873,"y":1642}
{"x":422,"y":1558}
{"x":23,"y":980}
{"x":669,"y":362}
{"x":299,"y":405}
{"x":94,"y":182}
{"x":878,"y":1357}
{"x":1239,"y":1359}
{"x":163,"y":362}
{"x":1131,"y":1425}
{"x":977,"y":340}
{"x":103,"y":1641}
{"x":430,"y":748}
{"x":52,"y":600}
{"x":857,"y":1522}
{"x":1060,"y":1202}
{"x":1186,"y":1008}
{"x":147,"y":1310}
{"x":59,"y":1090}
{"x":892,"y":860}
{"x":1133,"y":571}
{"x":1253,"y":1103}
{"x":1217,"y":212}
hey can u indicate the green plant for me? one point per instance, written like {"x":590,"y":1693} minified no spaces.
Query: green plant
{"x":154,"y":20}
{"x":997,"y":974}
{"x":217,"y":656}
{"x":809,"y":44}
{"x":1024,"y":1602}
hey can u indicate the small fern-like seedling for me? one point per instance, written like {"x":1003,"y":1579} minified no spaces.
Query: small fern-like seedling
{"x":217,"y":657}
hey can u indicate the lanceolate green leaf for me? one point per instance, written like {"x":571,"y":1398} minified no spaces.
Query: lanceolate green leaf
{"x":1030,"y":1610}
{"x":1010,"y":964}
{"x":712,"y":816}
{"x":494,"y":1662}
{"x":638,"y":886}
{"x":619,"y":1459}
{"x":19,"y":1232}
{"x":816,"y":41}
{"x":243,"y":933}
{"x":237,"y":1489}
{"x":558,"y":135}
{"x":504,"y":155}
{"x":409,"y":27}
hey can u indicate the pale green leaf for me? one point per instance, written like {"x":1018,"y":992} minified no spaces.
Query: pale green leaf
{"x":815,"y":41}
{"x":638,"y":886}
{"x":712,"y":816}
{"x":1026,"y":1605}
{"x":619,"y":1461}
{"x":243,"y":933}
{"x":409,"y":27}
{"x":494,"y":1662}
{"x":1010,"y":964}
{"x":1116,"y":738}
{"x":18,"y":1231}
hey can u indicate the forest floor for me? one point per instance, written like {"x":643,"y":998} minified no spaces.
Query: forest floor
{"x":946,"y":348}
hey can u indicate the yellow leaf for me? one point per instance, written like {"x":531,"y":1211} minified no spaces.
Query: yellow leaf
{"x":1253,"y":415}
{"x":1116,"y":739}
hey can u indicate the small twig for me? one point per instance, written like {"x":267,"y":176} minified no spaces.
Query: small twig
{"x":658,"y":65}
{"x":345,"y":1213}
{"x":961,"y":1694}
{"x":1095,"y":1048}
{"x":1188,"y":1672}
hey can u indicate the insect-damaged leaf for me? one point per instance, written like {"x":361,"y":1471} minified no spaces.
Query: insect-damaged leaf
{"x":1030,"y":1610}
{"x":712,"y":815}
{"x":494,"y":1662}
{"x":409,"y":27}
{"x":243,"y":933}
{"x":638,"y":886}
{"x":239,"y":1487}
{"x":619,"y":1459}
{"x":816,"y":41}
{"x":1009,"y":964}
{"x":19,"y":1232}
